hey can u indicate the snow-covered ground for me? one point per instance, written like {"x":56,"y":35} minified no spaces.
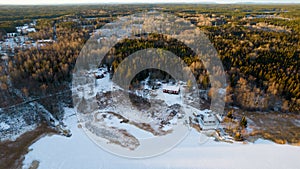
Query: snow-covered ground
{"x":79,"y":152}
{"x":13,"y":42}
{"x":109,"y":129}
{"x":191,"y":153}
{"x":113,"y":121}
{"x":4,"y":126}
{"x":16,"y":122}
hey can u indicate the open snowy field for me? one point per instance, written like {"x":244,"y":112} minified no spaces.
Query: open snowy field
{"x":79,"y":152}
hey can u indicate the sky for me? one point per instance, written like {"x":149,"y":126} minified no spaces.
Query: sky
{"x":39,"y":2}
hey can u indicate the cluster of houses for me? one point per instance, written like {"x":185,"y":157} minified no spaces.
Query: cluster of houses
{"x":21,"y":30}
{"x":9,"y":41}
{"x":25,"y":29}
{"x":206,"y":119}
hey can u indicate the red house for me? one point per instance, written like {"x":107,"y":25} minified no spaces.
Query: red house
{"x":171,"y":89}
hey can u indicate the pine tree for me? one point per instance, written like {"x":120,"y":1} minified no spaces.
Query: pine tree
{"x":243,"y":122}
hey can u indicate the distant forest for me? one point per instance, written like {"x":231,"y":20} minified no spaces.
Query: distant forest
{"x":262,"y":65}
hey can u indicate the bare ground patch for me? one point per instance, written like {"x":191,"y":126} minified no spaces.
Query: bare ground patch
{"x":280,"y":128}
{"x":12,"y":152}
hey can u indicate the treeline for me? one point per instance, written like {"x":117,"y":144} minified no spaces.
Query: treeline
{"x":263,"y":66}
{"x":17,"y":15}
{"x":234,"y":11}
{"x":48,"y":67}
{"x":128,"y":46}
{"x":44,"y":71}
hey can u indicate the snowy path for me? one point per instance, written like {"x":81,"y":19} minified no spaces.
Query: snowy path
{"x":79,"y":152}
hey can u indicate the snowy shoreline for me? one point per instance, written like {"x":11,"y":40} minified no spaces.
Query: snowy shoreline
{"x":80,"y":152}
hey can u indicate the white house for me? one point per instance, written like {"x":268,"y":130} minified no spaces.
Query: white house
{"x":206,"y":119}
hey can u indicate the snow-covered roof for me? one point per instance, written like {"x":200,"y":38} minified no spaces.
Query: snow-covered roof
{"x":31,"y":30}
{"x":209,"y":117}
{"x":207,"y":114}
{"x":4,"y":126}
{"x":169,"y":87}
{"x":203,"y":112}
{"x":45,"y":41}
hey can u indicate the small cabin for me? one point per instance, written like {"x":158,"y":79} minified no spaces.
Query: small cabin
{"x":48,"y":41}
{"x":171,"y":89}
{"x":98,"y":76}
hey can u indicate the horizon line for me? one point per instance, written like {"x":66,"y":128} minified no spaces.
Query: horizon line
{"x":132,"y":3}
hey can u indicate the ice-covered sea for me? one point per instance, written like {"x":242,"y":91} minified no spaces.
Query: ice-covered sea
{"x":79,"y":152}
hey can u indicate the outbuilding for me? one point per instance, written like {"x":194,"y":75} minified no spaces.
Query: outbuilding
{"x":171,"y":89}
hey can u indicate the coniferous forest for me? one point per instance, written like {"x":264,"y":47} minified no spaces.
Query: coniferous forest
{"x":258,"y":45}
{"x":260,"y":54}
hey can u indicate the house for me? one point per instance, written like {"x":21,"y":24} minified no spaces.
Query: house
{"x":4,"y":56}
{"x":98,"y":76}
{"x":25,"y":29}
{"x":206,"y":119}
{"x":171,"y":89}
{"x":44,"y":42}
{"x":11,"y":35}
{"x":100,"y":73}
